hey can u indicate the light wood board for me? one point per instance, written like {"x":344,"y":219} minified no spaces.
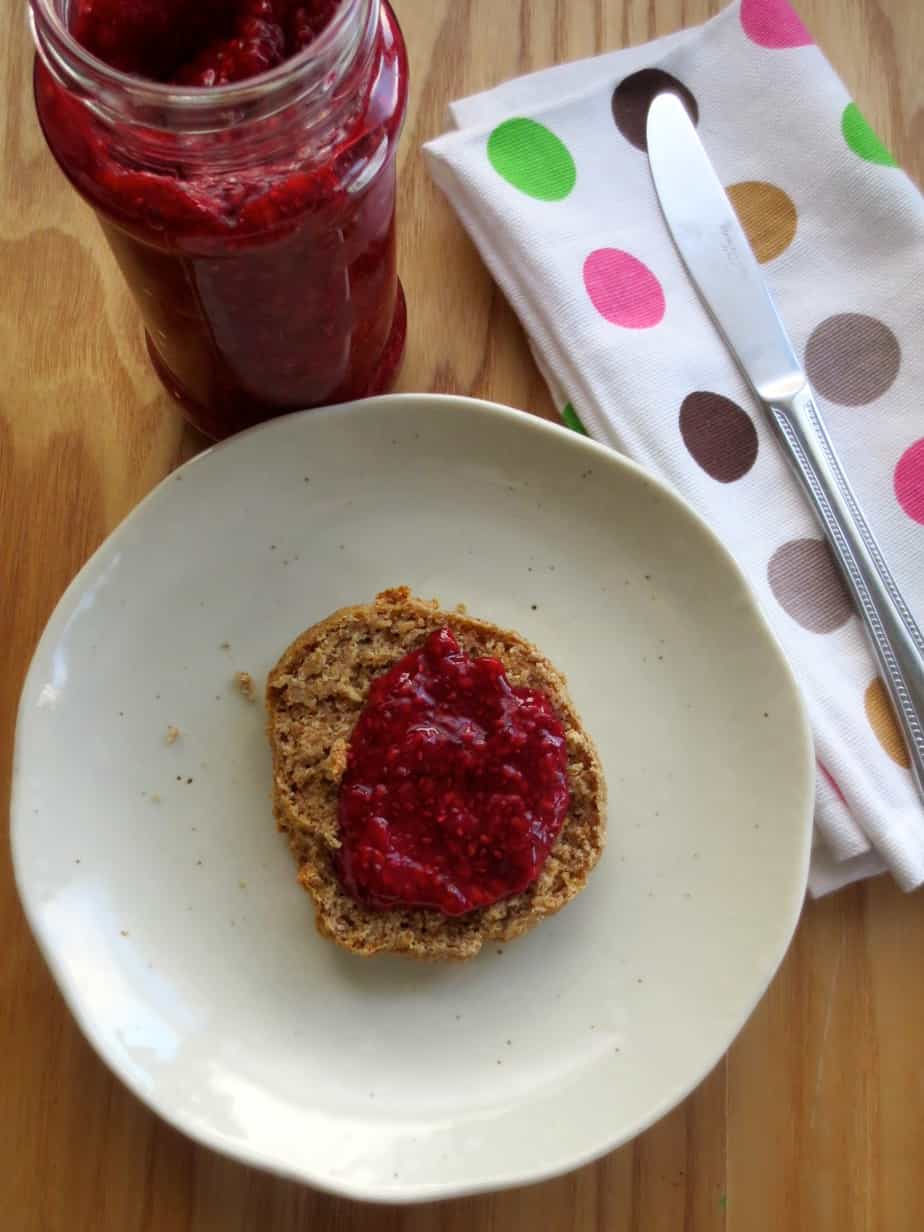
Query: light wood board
{"x":815,"y":1120}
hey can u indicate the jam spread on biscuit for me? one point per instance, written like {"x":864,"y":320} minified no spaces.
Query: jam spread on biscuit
{"x":456,"y":784}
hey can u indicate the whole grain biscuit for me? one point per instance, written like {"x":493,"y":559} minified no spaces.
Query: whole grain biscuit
{"x":314,"y":697}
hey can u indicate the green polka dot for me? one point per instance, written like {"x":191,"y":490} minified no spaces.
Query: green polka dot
{"x":531,"y":158}
{"x":861,"y":138}
{"x":570,"y":417}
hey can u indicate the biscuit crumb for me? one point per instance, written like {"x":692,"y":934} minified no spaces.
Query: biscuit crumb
{"x":155,"y":797}
{"x":244,"y":684}
{"x":173,"y":734}
{"x":334,"y":765}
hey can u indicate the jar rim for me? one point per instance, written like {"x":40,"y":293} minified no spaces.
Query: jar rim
{"x":330,"y":54}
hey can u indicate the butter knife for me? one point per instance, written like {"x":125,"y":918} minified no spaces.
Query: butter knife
{"x":722,"y":266}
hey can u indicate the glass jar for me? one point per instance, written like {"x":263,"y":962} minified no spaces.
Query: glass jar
{"x":254,"y":221}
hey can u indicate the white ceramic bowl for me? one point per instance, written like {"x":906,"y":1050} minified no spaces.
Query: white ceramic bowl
{"x":166,"y":904}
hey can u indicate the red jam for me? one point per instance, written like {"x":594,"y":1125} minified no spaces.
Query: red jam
{"x":208,"y":43}
{"x":262,"y":255}
{"x":456,"y":784}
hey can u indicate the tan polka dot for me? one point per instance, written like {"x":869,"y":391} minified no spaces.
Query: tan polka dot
{"x":852,"y":359}
{"x":807,"y":586}
{"x":882,"y":721}
{"x":767,"y":215}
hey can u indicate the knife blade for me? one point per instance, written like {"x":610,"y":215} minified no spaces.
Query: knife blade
{"x":722,"y":266}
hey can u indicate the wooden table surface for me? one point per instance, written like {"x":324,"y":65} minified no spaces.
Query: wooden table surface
{"x":815,"y":1119}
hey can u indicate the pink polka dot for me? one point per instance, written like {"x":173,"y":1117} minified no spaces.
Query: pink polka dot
{"x":909,"y":481}
{"x":623,"y":289}
{"x":773,"y":24}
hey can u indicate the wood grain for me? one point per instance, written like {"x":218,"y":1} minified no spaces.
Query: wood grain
{"x":815,"y":1120}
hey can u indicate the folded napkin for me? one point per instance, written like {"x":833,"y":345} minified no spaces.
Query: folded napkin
{"x":549,"y":176}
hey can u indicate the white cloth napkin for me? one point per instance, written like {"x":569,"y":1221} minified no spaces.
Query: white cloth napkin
{"x":549,"y":176}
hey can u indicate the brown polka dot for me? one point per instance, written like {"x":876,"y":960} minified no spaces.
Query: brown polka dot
{"x":720,"y":436}
{"x":635,"y":94}
{"x":767,"y":215}
{"x":806,"y":584}
{"x":882,"y":721}
{"x":852,"y":359}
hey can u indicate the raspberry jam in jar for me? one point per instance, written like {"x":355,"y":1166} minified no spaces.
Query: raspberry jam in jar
{"x":240,"y":156}
{"x":456,"y":784}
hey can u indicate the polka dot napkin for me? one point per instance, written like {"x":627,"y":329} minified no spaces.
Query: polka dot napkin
{"x":548,"y":174}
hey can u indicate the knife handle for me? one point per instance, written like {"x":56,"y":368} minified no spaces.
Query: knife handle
{"x":895,"y":637}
